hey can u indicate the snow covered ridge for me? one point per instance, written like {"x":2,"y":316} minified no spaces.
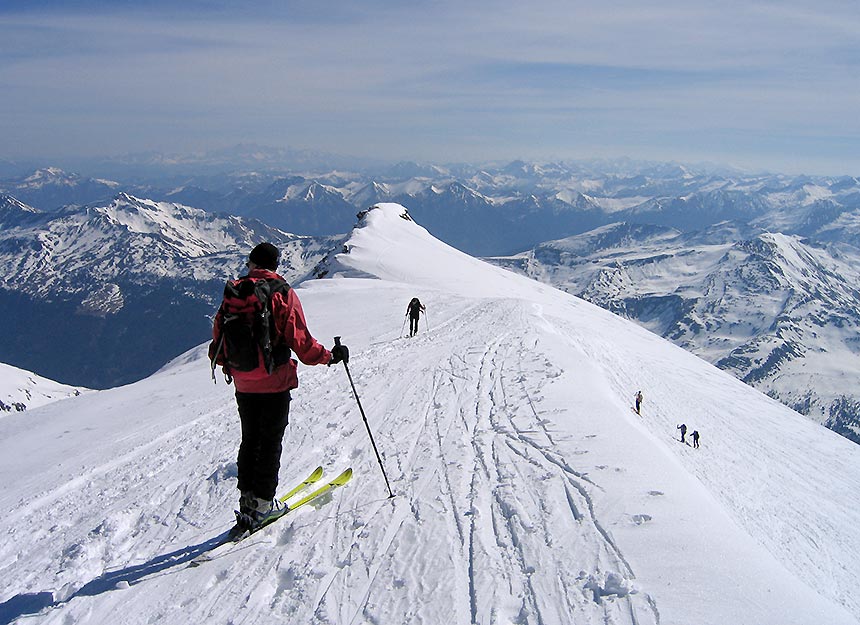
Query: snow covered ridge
{"x":23,"y":390}
{"x":134,"y":239}
{"x":51,"y":187}
{"x":382,"y":240}
{"x":772,"y":309}
{"x":528,"y":491}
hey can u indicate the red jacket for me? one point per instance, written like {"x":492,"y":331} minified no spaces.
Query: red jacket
{"x":289,"y":323}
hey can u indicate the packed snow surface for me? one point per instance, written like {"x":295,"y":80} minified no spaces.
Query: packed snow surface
{"x":527,"y":489}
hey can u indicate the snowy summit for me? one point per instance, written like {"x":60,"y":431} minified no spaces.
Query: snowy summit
{"x":528,"y":490}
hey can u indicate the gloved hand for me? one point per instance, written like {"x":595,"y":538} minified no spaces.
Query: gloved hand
{"x":338,"y":353}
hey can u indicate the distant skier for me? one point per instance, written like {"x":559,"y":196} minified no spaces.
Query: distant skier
{"x":683,"y":428}
{"x":695,"y":438}
{"x":259,"y":362}
{"x":413,"y":311}
{"x":638,"y":398}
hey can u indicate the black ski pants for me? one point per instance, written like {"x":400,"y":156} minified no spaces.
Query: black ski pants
{"x":413,"y":324}
{"x":264,"y":418}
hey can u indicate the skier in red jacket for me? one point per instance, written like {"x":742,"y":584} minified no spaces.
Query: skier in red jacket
{"x":263,"y":398}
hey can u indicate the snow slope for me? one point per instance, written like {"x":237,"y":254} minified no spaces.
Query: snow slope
{"x":528,"y":491}
{"x":24,"y":390}
{"x":775,"y":311}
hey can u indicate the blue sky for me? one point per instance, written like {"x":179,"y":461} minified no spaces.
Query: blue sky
{"x":760,"y":85}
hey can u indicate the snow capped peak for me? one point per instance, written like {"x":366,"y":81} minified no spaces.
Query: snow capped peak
{"x":56,"y":177}
{"x":14,"y":214}
{"x":123,"y":197}
{"x":176,"y":224}
{"x":7,"y":202}
{"x":129,"y":237}
{"x":48,"y":174}
{"x":414,"y":256}
{"x":785,"y":250}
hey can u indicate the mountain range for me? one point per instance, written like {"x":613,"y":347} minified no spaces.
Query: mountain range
{"x":753,"y":272}
{"x":106,"y":293}
{"x":489,"y":210}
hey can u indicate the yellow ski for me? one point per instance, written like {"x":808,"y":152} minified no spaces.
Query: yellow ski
{"x":313,"y":478}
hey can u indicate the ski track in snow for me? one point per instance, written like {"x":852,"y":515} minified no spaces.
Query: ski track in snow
{"x":480,"y":451}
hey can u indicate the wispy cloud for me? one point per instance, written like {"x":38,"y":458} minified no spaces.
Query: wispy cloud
{"x":437,"y":79}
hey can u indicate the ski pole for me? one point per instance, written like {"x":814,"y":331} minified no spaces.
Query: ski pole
{"x":366,"y":424}
{"x":402,"y":325}
{"x":427,"y":320}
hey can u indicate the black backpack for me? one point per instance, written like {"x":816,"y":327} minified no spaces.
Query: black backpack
{"x":248,"y":340}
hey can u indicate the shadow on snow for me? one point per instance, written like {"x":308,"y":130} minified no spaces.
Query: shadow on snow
{"x":31,"y":603}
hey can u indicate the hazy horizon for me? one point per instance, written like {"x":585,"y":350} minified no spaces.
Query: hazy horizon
{"x":206,"y":162}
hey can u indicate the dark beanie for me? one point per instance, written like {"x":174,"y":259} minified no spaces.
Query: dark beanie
{"x":265,"y":256}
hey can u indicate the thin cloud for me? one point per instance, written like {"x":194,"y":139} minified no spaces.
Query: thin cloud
{"x":504,"y":77}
